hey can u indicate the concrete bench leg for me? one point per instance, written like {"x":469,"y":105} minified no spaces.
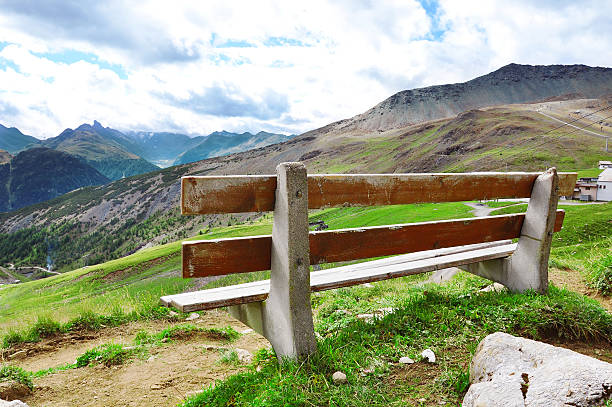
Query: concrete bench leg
{"x":527,"y":268}
{"x":285,"y":318}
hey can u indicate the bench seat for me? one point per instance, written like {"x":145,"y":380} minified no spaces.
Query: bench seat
{"x":345,"y":276}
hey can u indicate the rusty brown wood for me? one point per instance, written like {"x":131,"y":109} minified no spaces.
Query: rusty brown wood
{"x":352,"y":244}
{"x":246,"y":254}
{"x":227,"y":194}
{"x":203,"y":258}
{"x":255,"y":193}
{"x":391,"y":189}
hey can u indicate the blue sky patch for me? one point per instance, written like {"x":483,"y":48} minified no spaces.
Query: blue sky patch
{"x":71,"y":56}
{"x":432,"y":8}
{"x":283,"y":41}
{"x":217,"y":42}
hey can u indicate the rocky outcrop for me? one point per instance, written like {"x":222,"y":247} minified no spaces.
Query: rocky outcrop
{"x":511,"y":371}
{"x":512,"y":83}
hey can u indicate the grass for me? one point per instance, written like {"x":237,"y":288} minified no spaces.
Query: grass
{"x":449,"y":320}
{"x":14,"y":373}
{"x":129,"y":288}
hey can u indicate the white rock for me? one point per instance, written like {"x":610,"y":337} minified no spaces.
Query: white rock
{"x":385,"y":311}
{"x":246,"y":331}
{"x":367,"y":285}
{"x":513,"y":371}
{"x":172,"y":313}
{"x":192,"y":316}
{"x":244,"y":356}
{"x":495,"y":287}
{"x":429,"y":355}
{"x":406,"y":360}
{"x":155,"y":387}
{"x":14,"y":403}
{"x":339,"y":378}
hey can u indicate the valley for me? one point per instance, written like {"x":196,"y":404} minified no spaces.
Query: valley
{"x":95,"y":334}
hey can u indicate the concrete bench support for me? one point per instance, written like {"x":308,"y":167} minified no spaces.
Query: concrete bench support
{"x":285,"y":318}
{"x":527,"y":268}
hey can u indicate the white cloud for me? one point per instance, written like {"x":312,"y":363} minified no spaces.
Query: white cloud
{"x":155,"y":66}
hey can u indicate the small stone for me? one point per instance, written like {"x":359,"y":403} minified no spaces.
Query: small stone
{"x":244,"y":356}
{"x":14,"y":403}
{"x":155,"y":387}
{"x":429,"y":355}
{"x":367,"y":285}
{"x":95,"y":397}
{"x":496,"y":287}
{"x":385,"y":311}
{"x":406,"y":360}
{"x":339,"y":378}
{"x":173,"y":313}
{"x":213,"y":347}
{"x":247,"y":331}
{"x":422,"y":400}
{"x":192,"y":316}
{"x":258,"y":369}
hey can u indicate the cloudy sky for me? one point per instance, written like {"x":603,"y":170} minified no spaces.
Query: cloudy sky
{"x":287,"y":66}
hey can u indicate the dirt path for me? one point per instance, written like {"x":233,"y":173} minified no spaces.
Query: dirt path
{"x":480,"y":209}
{"x":573,"y":280}
{"x":166,"y":376}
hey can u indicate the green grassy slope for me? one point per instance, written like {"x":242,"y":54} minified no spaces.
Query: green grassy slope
{"x":135,"y":282}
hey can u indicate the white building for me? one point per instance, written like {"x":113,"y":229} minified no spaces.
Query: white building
{"x":604,"y":185}
{"x":605,"y":164}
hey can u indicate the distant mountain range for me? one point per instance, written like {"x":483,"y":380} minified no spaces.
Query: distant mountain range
{"x":114,"y":219}
{"x":39,"y":174}
{"x":113,"y":154}
{"x":222,"y":143}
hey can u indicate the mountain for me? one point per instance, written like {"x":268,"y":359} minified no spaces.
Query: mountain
{"x":223,"y":143}
{"x":39,"y":174}
{"x":512,"y":83}
{"x":109,"y":221}
{"x":163,"y":148}
{"x":13,"y":141}
{"x":107,"y":150}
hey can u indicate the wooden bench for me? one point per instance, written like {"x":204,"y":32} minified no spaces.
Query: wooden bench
{"x":280,"y":308}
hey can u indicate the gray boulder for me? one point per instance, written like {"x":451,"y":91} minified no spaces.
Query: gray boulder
{"x":511,"y":371}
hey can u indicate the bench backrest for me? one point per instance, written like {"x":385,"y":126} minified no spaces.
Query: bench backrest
{"x":237,"y":194}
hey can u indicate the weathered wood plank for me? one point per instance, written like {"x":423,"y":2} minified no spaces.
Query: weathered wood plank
{"x":203,"y":258}
{"x":390,"y":189}
{"x":340,"y":277}
{"x":246,"y":254}
{"x":227,"y":194}
{"x":255,"y":193}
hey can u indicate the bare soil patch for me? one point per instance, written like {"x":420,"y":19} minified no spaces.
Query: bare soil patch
{"x":167,"y":375}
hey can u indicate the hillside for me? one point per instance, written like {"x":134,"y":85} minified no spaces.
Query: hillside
{"x":105,"y":149}
{"x":109,"y":221}
{"x":13,"y":141}
{"x":510,"y":84}
{"x":39,"y":174}
{"x":224,"y":143}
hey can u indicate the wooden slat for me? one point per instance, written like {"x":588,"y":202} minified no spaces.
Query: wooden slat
{"x":255,"y":193}
{"x":203,"y":258}
{"x":227,"y":194}
{"x":246,"y":254}
{"x":391,"y":189}
{"x":342,"y":276}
